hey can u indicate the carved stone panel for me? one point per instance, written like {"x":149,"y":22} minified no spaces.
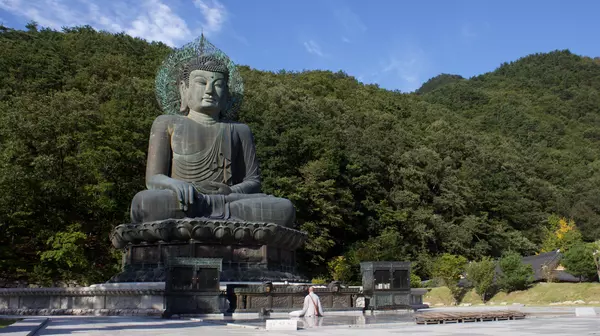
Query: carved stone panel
{"x":84,"y":302}
{"x":248,"y":254}
{"x":4,"y":302}
{"x":326,"y":300}
{"x":123,"y":302}
{"x":402,"y":299}
{"x":152,"y":302}
{"x":214,"y":251}
{"x":145,"y":254}
{"x":60,"y":302}
{"x":383,"y":300}
{"x":297,"y":301}
{"x":258,"y":301}
{"x":35,"y":302}
{"x":281,"y":301}
{"x":172,"y":251}
{"x":341,"y":301}
{"x":14,"y":302}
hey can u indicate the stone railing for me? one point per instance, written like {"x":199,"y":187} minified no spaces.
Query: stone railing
{"x":118,"y":299}
{"x":148,"y":299}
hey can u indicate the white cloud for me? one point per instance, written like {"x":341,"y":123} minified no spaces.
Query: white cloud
{"x":214,"y":13}
{"x":349,"y":20}
{"x":153,"y":20}
{"x":33,"y":11}
{"x":159,"y":23}
{"x":468,"y":32}
{"x":351,"y":24}
{"x":404,"y":69}
{"x":313,"y":48}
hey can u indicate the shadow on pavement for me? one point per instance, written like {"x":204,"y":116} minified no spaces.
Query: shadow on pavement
{"x":58,"y":325}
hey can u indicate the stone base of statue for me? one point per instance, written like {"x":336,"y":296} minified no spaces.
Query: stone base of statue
{"x":250,"y":252}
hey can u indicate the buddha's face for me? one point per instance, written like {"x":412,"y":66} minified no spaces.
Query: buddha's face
{"x":206,"y":92}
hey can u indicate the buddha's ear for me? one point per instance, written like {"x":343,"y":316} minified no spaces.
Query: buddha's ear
{"x":224,"y":102}
{"x":183,"y":96}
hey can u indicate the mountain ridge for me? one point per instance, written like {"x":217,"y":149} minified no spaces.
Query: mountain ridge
{"x":470,"y":166}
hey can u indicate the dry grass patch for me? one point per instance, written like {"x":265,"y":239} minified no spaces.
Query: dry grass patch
{"x":4,"y":322}
{"x":539,"y":294}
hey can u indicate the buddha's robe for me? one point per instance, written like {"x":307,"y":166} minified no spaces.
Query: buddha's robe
{"x":207,"y":151}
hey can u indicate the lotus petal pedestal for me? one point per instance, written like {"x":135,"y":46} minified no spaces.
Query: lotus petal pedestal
{"x":250,"y":251}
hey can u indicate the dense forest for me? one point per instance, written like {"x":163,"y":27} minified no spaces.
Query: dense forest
{"x":471,"y":167}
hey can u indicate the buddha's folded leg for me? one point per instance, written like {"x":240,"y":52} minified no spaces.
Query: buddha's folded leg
{"x":236,"y":196}
{"x":262,"y":208}
{"x":153,"y":205}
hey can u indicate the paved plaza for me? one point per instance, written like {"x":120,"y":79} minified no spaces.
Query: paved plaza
{"x":558,"y":323}
{"x":132,"y":326}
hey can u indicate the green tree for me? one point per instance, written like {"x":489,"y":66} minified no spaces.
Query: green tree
{"x":481,"y":274}
{"x":596,"y":254}
{"x":560,"y":234}
{"x":468,"y":167}
{"x":438,"y":81}
{"x":449,"y":269}
{"x":387,"y":246}
{"x":579,"y":261}
{"x":340,"y":269}
{"x":515,"y":275}
{"x":66,"y":255}
{"x":415,"y":281}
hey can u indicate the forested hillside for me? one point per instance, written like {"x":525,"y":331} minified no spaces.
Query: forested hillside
{"x":464,"y":166}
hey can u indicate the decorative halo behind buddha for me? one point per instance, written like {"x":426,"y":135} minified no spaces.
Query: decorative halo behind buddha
{"x":197,"y":55}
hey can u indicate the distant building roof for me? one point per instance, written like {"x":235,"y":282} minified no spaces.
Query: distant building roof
{"x":537,"y":262}
{"x":552,"y":261}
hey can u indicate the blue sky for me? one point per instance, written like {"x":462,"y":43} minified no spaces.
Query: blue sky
{"x":394,"y":43}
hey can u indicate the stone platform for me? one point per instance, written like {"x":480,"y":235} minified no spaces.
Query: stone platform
{"x":250,"y":251}
{"x":149,"y":299}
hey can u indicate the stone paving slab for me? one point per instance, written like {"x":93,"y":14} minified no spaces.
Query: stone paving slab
{"x":148,"y":326}
{"x":559,"y":326}
{"x":132,"y":326}
{"x":544,"y":322}
{"x":25,"y":327}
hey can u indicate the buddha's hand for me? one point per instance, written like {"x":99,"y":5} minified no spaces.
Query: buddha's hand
{"x":212,"y":188}
{"x":185,"y":192}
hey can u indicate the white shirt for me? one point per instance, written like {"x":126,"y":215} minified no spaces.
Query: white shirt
{"x":309,"y":309}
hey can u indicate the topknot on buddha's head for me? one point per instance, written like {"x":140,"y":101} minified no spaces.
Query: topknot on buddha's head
{"x":204,"y":62}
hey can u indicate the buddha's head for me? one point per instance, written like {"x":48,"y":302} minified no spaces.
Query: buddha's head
{"x":203,"y":86}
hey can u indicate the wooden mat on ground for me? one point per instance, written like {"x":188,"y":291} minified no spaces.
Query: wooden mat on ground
{"x":462,"y":317}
